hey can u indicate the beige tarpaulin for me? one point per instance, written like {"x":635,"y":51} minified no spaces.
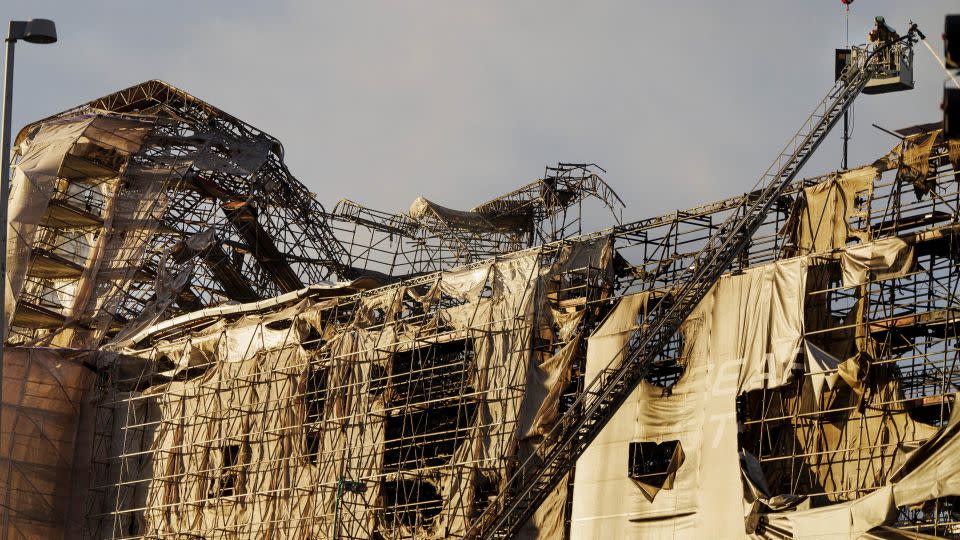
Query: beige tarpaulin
{"x":823,"y":223}
{"x":843,"y":521}
{"x":929,"y":472}
{"x":539,"y":411}
{"x":822,"y":367}
{"x":602,"y":492}
{"x":745,"y":334}
{"x":856,"y":450}
{"x":546,"y":382}
{"x":43,"y":394}
{"x":240,"y":464}
{"x":60,"y":157}
{"x":763,"y":311}
{"x":915,"y":162}
{"x":423,"y":210}
{"x":499,"y":375}
{"x":242,"y":442}
{"x":34,"y":182}
{"x":881,"y":259}
{"x":547,"y":522}
{"x":825,"y":370}
{"x":652,"y":486}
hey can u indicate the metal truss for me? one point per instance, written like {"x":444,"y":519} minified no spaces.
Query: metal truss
{"x":434,"y":238}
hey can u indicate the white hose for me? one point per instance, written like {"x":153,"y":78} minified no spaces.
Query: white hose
{"x":942,"y":66}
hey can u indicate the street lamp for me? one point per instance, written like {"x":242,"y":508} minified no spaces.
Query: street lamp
{"x":40,"y":31}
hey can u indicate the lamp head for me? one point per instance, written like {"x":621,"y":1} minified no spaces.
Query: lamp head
{"x":40,"y":31}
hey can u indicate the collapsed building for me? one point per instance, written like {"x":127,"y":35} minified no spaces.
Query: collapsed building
{"x":197,"y":348}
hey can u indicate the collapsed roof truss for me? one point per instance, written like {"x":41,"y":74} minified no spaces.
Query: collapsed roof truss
{"x":221,"y":235}
{"x":432,"y":238}
{"x":910,"y":320}
{"x":213,"y":175}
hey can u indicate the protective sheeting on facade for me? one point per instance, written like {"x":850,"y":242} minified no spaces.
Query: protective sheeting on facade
{"x":806,"y":392}
{"x":401,"y":371}
{"x":744,"y":335}
{"x":855,"y":451}
{"x":928,"y":472}
{"x":878,"y":260}
{"x":147,"y":204}
{"x":44,"y":450}
{"x":277,"y":411}
{"x":61,"y":160}
{"x":825,"y":218}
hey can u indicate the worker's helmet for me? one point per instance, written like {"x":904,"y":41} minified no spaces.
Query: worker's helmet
{"x":879,"y":19}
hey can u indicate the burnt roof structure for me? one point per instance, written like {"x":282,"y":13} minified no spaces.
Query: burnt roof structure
{"x":392,"y":374}
{"x":153,"y":203}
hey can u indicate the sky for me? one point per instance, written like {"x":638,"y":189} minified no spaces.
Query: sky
{"x":681,"y":102}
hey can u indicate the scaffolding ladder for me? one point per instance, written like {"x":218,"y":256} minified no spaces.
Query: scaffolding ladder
{"x":602,"y":397}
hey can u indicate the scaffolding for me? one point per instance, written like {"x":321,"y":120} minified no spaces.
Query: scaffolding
{"x":148,"y":203}
{"x":398,"y":401}
{"x":430,"y":237}
{"x":405,"y":421}
{"x":269,"y":418}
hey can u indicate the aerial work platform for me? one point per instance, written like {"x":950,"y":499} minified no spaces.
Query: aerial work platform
{"x":895,"y":71}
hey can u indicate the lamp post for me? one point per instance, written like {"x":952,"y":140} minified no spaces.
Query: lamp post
{"x":40,"y":31}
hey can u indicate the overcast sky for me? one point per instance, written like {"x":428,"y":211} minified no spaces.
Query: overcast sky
{"x":379,"y":102}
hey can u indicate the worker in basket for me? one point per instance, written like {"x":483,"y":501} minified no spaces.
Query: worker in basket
{"x":884,"y":35}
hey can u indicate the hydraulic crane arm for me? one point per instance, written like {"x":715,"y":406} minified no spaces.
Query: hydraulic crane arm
{"x":603,"y":396}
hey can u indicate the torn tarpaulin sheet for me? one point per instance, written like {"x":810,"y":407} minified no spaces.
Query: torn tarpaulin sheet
{"x":651,"y":469}
{"x":915,"y":162}
{"x":929,"y":472}
{"x":822,"y":368}
{"x":825,"y":370}
{"x":881,"y":259}
{"x":843,"y":521}
{"x":422,"y":210}
{"x":745,"y":334}
{"x":34,"y":182}
{"x":823,"y":221}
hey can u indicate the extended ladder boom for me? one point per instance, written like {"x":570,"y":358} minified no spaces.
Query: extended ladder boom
{"x":604,"y":395}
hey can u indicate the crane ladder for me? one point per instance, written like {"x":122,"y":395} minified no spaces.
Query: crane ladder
{"x":596,"y":404}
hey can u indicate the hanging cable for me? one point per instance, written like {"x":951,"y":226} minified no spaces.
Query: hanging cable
{"x":851,"y":111}
{"x":848,"y":114}
{"x":847,"y":12}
